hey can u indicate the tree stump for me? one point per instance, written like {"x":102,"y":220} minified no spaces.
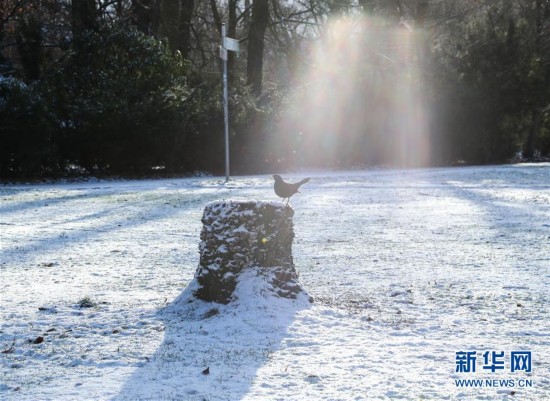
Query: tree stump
{"x":241,"y":235}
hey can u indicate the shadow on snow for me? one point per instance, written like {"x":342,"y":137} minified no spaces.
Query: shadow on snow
{"x":232,"y":341}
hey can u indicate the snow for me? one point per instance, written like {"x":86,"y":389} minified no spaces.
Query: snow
{"x":407,"y":267}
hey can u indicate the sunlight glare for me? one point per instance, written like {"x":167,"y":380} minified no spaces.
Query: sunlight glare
{"x":357,"y":99}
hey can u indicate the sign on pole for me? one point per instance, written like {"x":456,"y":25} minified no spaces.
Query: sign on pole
{"x":223,"y":53}
{"x":231,"y":45}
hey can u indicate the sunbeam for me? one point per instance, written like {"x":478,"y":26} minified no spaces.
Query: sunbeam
{"x":359,"y":100}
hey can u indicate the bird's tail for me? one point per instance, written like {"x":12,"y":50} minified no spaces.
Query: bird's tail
{"x":304,"y":181}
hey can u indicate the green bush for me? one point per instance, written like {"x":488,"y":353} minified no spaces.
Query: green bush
{"x":120,"y":97}
{"x":486,"y":73}
{"x":27,"y":147}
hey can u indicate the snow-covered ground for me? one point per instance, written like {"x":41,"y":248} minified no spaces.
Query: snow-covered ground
{"x":407,"y":268}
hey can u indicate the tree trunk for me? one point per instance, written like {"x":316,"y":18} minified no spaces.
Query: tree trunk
{"x":529,"y":152}
{"x":83,"y":16}
{"x":186,"y":15}
{"x":146,"y":16}
{"x":336,"y":7}
{"x":256,"y":33}
{"x":29,"y":44}
{"x":246,"y":16}
{"x":243,"y":239}
{"x":541,"y":96}
{"x":232,"y":33}
{"x":368,"y":6}
{"x":216,"y":16}
{"x":169,"y":12}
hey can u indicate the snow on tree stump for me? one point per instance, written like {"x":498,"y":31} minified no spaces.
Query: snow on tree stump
{"x":241,"y":235}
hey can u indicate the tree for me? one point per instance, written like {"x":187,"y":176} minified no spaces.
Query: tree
{"x":185,"y":25}
{"x":26,"y":127}
{"x":491,"y":70}
{"x":146,"y":15}
{"x":83,"y":16}
{"x":537,"y":14}
{"x":482,"y":67}
{"x":120,"y":96}
{"x":256,"y":35}
{"x":29,"y":41}
{"x":176,"y":19}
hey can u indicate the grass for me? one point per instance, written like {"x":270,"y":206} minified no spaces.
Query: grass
{"x":87,"y":302}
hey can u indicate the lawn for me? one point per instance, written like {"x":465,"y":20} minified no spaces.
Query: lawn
{"x":407,"y":268}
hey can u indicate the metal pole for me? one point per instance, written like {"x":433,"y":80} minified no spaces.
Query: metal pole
{"x":225,"y":109}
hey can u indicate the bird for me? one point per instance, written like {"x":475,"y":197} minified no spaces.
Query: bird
{"x":284,"y":189}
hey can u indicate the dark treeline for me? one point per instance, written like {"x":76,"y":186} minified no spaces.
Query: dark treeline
{"x":133,"y":87}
